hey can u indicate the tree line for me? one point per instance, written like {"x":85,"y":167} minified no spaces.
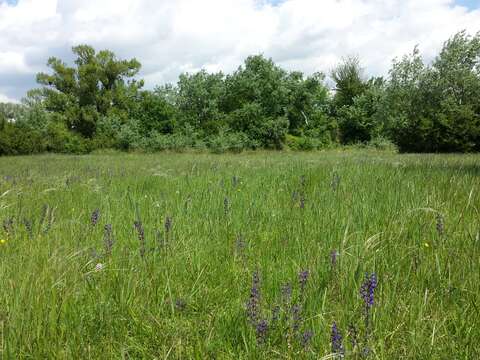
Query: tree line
{"x":98,"y":103}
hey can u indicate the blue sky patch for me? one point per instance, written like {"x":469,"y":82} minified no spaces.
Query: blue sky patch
{"x":471,"y":4}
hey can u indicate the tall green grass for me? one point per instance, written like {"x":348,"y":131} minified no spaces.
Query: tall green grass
{"x":186,"y":297}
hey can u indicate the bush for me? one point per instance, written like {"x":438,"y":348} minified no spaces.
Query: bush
{"x":61,"y":140}
{"x":185,"y":138}
{"x":154,"y":113}
{"x":129,"y":136}
{"x":17,"y":140}
{"x":303,"y":143}
{"x":230,"y":142}
{"x":382,"y":143}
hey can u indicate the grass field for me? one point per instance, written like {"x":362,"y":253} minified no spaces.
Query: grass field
{"x":250,"y":256}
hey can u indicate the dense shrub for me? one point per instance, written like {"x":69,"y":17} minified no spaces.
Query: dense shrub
{"x":153,"y":113}
{"x":231,"y":142}
{"x":303,"y":143}
{"x":174,"y":142}
{"x":17,"y":140}
{"x":129,"y":136}
{"x":60,"y":140}
{"x":382,"y":143}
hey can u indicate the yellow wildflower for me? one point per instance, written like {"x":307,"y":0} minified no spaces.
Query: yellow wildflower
{"x":3,"y":242}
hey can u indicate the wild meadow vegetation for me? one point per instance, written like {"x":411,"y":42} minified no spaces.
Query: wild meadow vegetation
{"x":266,"y":255}
{"x":421,"y":105}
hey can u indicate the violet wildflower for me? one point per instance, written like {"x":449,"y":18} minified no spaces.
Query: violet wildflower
{"x":141,"y":236}
{"x":305,"y":339}
{"x":253,"y":303}
{"x":95,"y":217}
{"x":296,"y":317}
{"x":367,"y":290}
{"x":337,"y":341}
{"x":261,"y":330}
{"x":302,"y":280}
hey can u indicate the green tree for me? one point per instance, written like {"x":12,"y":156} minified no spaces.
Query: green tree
{"x":256,"y":98}
{"x":308,"y":102}
{"x":361,"y":121}
{"x":198,"y":101}
{"x":154,"y":112}
{"x":97,"y":85}
{"x":260,"y":81}
{"x":349,"y":82}
{"x":437,"y":108}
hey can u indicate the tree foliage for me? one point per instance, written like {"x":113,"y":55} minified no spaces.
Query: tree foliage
{"x":97,"y":85}
{"x":437,"y":108}
{"x":97,"y":102}
{"x":349,"y":82}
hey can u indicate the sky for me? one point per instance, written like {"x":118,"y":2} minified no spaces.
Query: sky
{"x":173,"y":36}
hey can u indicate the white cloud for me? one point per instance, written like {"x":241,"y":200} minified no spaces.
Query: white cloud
{"x":172,"y":36}
{"x":5,"y":99}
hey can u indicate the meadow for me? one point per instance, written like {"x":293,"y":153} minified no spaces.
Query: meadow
{"x":269,"y":255}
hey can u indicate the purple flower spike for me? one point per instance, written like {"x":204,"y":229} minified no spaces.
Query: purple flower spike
{"x":302,"y":279}
{"x":296,"y":317}
{"x":253,"y":302}
{"x":367,"y":290}
{"x":337,"y":341}
{"x":95,"y":216}
{"x":262,"y":330}
{"x":306,"y":337}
